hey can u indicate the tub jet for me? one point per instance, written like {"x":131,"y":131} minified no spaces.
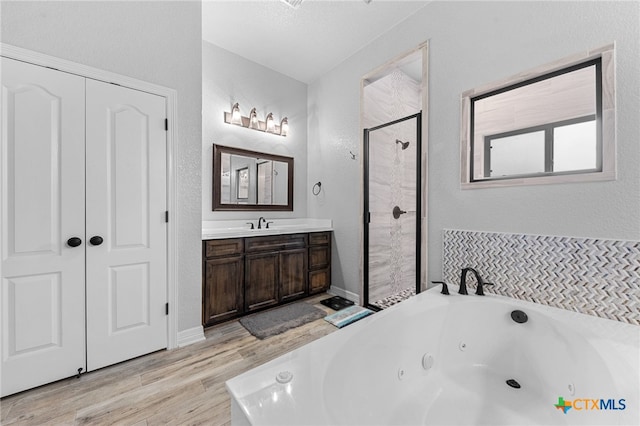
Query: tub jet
{"x":513,"y":383}
{"x":519,"y":316}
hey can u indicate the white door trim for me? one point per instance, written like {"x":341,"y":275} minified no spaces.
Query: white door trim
{"x":423,"y":49}
{"x":171,"y":96}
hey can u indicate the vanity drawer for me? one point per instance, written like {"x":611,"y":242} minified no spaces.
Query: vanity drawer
{"x":276,"y":243}
{"x":227,"y":247}
{"x":319,"y":257}
{"x":319,"y":238}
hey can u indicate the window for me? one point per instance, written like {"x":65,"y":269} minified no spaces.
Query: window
{"x":555,"y":125}
{"x":555,"y":148}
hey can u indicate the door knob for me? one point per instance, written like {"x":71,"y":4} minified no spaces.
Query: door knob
{"x":397,"y":212}
{"x":96,"y":241}
{"x":74,"y":242}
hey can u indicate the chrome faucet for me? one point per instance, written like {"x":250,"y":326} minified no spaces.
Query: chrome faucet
{"x":262,"y":219}
{"x":463,"y":282}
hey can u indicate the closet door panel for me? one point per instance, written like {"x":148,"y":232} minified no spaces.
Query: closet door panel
{"x":126,"y":204}
{"x":42,"y":207}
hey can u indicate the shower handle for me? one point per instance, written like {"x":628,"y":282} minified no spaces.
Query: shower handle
{"x":397,"y":212}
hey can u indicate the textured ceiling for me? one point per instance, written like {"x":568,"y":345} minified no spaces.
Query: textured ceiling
{"x":303,"y":43}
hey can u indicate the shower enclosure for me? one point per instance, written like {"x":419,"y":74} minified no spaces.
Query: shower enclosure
{"x":392,"y":216}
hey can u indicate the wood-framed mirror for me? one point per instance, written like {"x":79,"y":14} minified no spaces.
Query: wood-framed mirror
{"x":250,"y":180}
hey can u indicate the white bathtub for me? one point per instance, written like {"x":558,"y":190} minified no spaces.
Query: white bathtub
{"x":437,"y":359}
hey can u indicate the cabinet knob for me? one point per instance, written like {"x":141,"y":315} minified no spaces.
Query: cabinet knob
{"x":74,"y":242}
{"x":96,"y":241}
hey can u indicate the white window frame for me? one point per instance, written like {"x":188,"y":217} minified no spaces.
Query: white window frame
{"x":608,"y":154}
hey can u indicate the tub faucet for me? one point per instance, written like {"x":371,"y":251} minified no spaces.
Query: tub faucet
{"x":262,"y":219}
{"x":445,"y":288}
{"x":463,"y":282}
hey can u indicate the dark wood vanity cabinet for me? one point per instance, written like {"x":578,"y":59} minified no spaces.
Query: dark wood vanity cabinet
{"x":276,"y":270}
{"x":293,"y":274}
{"x":261,"y":282}
{"x":319,"y":262}
{"x":243,"y":275}
{"x":223,"y":280}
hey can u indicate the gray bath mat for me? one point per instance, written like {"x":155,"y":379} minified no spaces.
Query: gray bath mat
{"x":279,"y":320}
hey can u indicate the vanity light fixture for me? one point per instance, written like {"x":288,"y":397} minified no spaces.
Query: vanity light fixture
{"x":251,"y":122}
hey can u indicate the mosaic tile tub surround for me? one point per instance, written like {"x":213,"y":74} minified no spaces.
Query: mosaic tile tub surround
{"x":593,"y":276}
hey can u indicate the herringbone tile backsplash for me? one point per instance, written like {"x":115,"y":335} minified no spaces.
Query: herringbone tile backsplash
{"x":592,"y":276}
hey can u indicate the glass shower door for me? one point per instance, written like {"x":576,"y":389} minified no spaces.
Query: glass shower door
{"x":392,"y":212}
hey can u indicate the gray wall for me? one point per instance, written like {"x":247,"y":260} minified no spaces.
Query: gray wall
{"x":471,"y":44}
{"x":228,"y":78}
{"x":158,"y":42}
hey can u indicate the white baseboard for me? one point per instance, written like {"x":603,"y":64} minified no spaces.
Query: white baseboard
{"x":354,"y":297}
{"x":189,"y":336}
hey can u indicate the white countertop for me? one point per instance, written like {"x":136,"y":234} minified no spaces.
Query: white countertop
{"x":219,"y":229}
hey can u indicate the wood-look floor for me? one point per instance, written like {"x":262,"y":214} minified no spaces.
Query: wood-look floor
{"x":180,"y":386}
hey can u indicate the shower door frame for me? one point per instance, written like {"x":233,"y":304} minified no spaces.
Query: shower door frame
{"x":367,"y":215}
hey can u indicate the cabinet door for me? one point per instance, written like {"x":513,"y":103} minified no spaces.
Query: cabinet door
{"x":41,"y":208}
{"x":319,"y":280}
{"x":293,"y":274}
{"x":223,"y":283}
{"x":261,"y":280}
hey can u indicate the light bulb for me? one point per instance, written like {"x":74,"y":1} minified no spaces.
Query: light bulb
{"x":271,"y":125}
{"x":253,"y":119}
{"x":236,"y":118}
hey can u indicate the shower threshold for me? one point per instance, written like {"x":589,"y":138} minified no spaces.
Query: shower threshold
{"x":395,"y":298}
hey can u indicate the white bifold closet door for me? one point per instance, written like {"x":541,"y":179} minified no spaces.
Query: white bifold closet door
{"x":126,"y":204}
{"x":43,"y":309}
{"x":80,"y":159}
